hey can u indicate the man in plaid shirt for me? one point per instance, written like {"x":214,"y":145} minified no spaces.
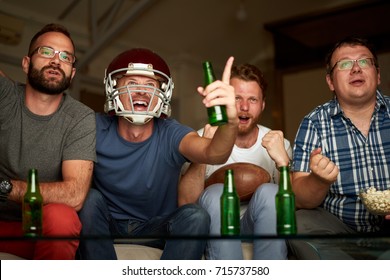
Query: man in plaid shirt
{"x":342,"y":147}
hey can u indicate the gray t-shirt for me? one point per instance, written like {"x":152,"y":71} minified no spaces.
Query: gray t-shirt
{"x":42,"y":142}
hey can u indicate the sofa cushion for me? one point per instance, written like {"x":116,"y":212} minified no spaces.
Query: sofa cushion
{"x":140,"y":252}
{"x":136,"y":252}
{"x":6,"y":256}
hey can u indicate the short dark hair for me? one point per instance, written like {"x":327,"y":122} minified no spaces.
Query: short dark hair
{"x":350,"y":41}
{"x":51,"y":27}
{"x":249,"y":72}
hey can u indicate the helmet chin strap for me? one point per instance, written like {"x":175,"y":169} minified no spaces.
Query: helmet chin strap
{"x":137,"y":119}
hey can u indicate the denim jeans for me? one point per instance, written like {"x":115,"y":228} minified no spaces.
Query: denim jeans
{"x":188,"y":220}
{"x":259,"y":218}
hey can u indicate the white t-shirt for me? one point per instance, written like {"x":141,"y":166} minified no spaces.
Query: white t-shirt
{"x":256,"y":154}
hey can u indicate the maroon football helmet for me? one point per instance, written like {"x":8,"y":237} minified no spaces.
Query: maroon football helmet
{"x":140,"y":62}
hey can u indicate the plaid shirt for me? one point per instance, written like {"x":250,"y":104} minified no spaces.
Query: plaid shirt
{"x":362,"y":161}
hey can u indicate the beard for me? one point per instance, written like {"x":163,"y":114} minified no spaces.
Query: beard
{"x":49,"y":86}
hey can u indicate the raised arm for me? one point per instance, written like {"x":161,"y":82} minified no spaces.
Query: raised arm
{"x":216,"y":150}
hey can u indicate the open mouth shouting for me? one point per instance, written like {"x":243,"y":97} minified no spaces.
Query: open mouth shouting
{"x":140,"y":105}
{"x":244,"y":119}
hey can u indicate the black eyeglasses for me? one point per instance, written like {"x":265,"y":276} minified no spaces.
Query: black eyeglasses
{"x":48,"y":52}
{"x":347,"y":64}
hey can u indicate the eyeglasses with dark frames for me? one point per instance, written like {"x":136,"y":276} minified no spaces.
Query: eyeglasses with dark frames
{"x":48,"y":52}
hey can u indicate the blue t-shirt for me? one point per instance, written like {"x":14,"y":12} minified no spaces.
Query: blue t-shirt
{"x":139,"y":180}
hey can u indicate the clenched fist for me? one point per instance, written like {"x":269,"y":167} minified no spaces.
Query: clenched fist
{"x":322,"y":167}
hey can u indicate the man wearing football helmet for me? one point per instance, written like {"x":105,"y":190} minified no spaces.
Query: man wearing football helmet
{"x":140,"y":152}
{"x":151,"y":100}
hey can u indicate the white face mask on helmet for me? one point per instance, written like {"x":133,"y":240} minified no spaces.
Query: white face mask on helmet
{"x":140,"y":62}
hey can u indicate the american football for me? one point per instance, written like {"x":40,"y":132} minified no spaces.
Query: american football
{"x":247,"y":177}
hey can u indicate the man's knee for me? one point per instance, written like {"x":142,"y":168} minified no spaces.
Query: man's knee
{"x":196,"y":218}
{"x":92,"y":203}
{"x":265,"y":195}
{"x":196,"y":212}
{"x":211,"y":196}
{"x":60,"y":220}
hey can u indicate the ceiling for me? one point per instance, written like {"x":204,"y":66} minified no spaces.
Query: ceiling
{"x":192,"y":30}
{"x":305,"y":40}
{"x":279,"y":36}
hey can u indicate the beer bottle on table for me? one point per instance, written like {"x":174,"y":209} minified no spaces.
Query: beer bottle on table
{"x":32,"y":206}
{"x":230,"y":206}
{"x":285,"y":205}
{"x":217,"y":114}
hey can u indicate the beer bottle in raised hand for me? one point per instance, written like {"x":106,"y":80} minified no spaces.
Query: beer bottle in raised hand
{"x":285,"y":204}
{"x":32,"y":206}
{"x":217,"y":114}
{"x":230,"y":206}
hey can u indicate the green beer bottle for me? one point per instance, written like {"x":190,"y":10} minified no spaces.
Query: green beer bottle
{"x":32,"y":206}
{"x":217,"y":114}
{"x":285,"y":205}
{"x":230,"y":206}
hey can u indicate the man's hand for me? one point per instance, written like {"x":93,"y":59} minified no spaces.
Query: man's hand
{"x":273,"y":142}
{"x":220,"y":92}
{"x":322,"y":167}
